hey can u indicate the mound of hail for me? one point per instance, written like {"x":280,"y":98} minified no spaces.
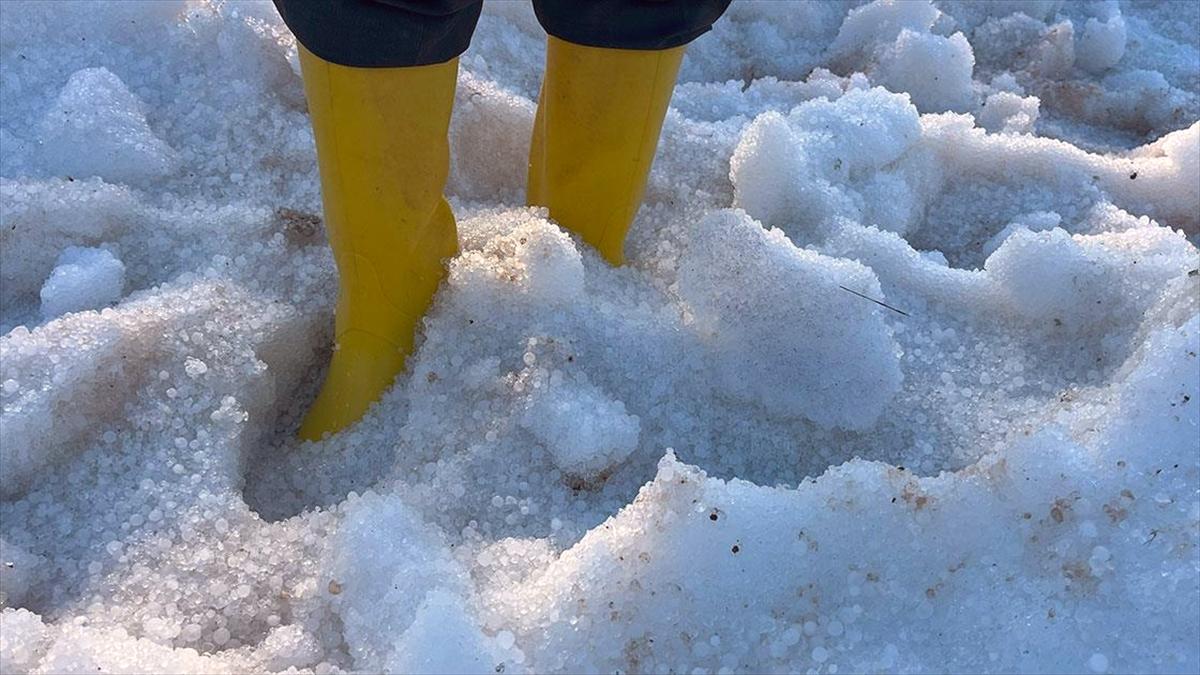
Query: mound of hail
{"x":901,"y":374}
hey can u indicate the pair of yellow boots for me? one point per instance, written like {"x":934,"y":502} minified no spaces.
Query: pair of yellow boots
{"x":383,"y":151}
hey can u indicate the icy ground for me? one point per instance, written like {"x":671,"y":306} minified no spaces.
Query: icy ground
{"x":719,"y":458}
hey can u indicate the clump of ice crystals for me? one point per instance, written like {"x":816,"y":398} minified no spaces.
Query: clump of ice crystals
{"x":83,"y":278}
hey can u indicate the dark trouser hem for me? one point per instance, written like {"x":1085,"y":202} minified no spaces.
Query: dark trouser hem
{"x":382,"y":33}
{"x":629,"y":24}
{"x":398,"y":33}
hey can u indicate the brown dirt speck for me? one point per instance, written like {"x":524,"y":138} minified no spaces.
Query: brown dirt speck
{"x":299,"y":228}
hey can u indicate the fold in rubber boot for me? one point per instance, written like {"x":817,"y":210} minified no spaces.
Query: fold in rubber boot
{"x":598,"y":119}
{"x":381,"y":136}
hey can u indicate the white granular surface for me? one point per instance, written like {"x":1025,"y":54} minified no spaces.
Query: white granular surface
{"x":723,"y":457}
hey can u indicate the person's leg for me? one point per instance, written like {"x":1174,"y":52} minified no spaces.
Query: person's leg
{"x":611,"y":66}
{"x":380,"y":114}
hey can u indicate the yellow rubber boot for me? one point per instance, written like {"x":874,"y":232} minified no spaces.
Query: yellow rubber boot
{"x":381,"y":136}
{"x":598,"y":119}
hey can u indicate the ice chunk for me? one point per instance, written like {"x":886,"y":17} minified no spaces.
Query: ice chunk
{"x":1080,"y":282}
{"x":1165,"y":179}
{"x":23,"y":639}
{"x":804,"y":171}
{"x":83,"y":278}
{"x":289,"y":647}
{"x":1049,"y":276}
{"x":785,"y":329}
{"x":880,"y":22}
{"x":444,"y":639}
{"x":514,"y":258}
{"x":934,"y":70}
{"x":585,"y":430}
{"x":386,"y":560}
{"x":41,"y":219}
{"x":1009,"y":113}
{"x":1036,"y":221}
{"x":773,"y":182}
{"x":1102,"y":43}
{"x":97,"y":127}
{"x":866,"y":129}
{"x":1053,"y":55}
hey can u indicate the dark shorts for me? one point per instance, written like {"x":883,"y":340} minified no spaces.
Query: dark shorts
{"x":396,"y":33}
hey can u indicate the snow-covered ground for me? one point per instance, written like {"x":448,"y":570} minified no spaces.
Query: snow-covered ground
{"x":722,"y":457}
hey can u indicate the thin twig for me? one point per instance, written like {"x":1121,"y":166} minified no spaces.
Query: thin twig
{"x":878,"y":302}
